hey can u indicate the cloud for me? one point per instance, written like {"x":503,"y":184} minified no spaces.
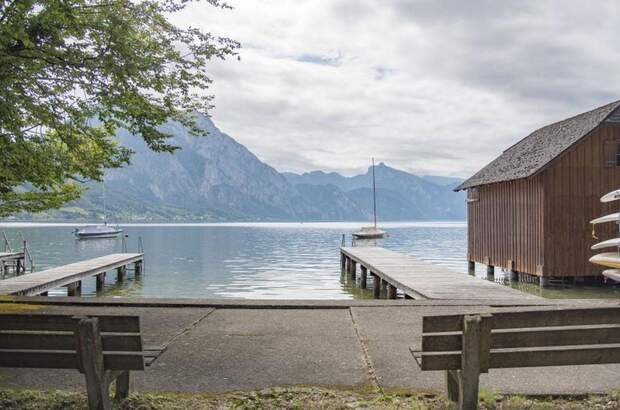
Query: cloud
{"x":430,"y":86}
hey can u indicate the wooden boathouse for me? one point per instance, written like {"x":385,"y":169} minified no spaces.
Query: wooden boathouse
{"x":529,"y":209}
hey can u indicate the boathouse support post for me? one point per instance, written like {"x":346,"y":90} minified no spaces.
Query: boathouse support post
{"x":490,"y":272}
{"x":471,"y":268}
{"x":391,"y":291}
{"x":363,"y":276}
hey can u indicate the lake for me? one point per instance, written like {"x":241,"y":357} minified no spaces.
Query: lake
{"x":254,"y":260}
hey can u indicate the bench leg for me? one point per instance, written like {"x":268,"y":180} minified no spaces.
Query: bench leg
{"x":452,"y":385}
{"x":122,"y":386}
{"x":90,"y":353}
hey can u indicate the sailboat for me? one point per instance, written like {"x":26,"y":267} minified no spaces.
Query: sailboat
{"x":99,"y":231}
{"x":371,"y":232}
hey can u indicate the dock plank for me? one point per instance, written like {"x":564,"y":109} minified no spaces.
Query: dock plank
{"x":38,"y":282}
{"x":423,"y":280}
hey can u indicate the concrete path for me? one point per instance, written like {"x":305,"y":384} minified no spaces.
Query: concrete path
{"x":361,"y":346}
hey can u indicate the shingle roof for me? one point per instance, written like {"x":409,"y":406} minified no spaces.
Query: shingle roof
{"x":534,"y":152}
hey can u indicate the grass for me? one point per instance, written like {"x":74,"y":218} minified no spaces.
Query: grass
{"x":299,"y":398}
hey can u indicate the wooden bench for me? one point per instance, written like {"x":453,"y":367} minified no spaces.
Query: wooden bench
{"x":467,"y":345}
{"x":103,"y":348}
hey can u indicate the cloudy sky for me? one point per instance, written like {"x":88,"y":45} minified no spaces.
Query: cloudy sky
{"x":429,"y":86}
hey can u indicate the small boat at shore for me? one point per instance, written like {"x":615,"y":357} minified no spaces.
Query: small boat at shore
{"x":371,"y":232}
{"x":98,"y":231}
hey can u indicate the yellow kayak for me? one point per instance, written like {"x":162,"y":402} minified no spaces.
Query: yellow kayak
{"x":609,"y":259}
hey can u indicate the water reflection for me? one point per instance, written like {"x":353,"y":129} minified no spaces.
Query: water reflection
{"x":274,"y":260}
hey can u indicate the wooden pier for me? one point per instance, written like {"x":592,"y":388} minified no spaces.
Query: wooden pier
{"x":71,"y":276}
{"x":14,"y":260}
{"x":392,"y":271}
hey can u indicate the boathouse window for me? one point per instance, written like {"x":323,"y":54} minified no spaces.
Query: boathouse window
{"x":612,"y":153}
{"x":473,"y":194}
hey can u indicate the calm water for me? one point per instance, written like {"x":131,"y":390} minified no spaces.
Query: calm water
{"x":254,"y":260}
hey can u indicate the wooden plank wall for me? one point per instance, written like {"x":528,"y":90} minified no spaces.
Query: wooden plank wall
{"x":573,"y":185}
{"x":506,"y":224}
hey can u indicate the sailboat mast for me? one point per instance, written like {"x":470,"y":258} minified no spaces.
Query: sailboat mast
{"x":105,"y":213}
{"x":374,"y":193}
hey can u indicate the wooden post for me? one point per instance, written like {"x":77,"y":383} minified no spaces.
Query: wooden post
{"x":18,"y":266}
{"x":514,"y":275}
{"x":376,"y":286}
{"x":363,"y":276}
{"x":138,"y":268}
{"x":474,"y":358}
{"x":384,"y":285}
{"x":100,"y":281}
{"x":122,"y":386}
{"x":343,"y":263}
{"x":391,"y":291}
{"x":471,"y":268}
{"x":353,"y":268}
{"x":74,"y":289}
{"x":490,"y":272}
{"x":90,"y":354}
{"x":120,"y":274}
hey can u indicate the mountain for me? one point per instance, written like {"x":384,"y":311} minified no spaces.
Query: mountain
{"x":214,"y":178}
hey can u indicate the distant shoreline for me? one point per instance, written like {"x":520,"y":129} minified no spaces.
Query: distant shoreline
{"x":315,"y":225}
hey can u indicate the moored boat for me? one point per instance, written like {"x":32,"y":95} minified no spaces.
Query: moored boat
{"x":98,"y":231}
{"x":371,"y":232}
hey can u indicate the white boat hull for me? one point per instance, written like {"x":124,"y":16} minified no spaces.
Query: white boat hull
{"x":606,"y":218}
{"x":608,"y":259}
{"x":611,"y":196}
{"x":612,"y":274}
{"x":610,"y":243}
{"x":369,"y":233}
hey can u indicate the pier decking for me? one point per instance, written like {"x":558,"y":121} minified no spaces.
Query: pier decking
{"x":71,"y":275}
{"x":417,"y":279}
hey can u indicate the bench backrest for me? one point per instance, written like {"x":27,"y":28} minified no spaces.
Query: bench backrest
{"x":50,"y":341}
{"x":526,"y":338}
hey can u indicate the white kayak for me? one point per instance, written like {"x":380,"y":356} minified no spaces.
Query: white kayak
{"x":612,"y":274}
{"x":609,"y":259}
{"x":606,"y":218}
{"x":609,"y":243}
{"x":611,"y":196}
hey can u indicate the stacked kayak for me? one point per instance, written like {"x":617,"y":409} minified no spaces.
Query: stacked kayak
{"x":608,"y":259}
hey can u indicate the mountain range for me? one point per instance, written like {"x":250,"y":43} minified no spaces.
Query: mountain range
{"x":214,"y":178}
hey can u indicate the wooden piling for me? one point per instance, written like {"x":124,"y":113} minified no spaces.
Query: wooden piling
{"x":471,"y":268}
{"x":514,"y":275}
{"x":391,"y":291}
{"x":74,"y":289}
{"x":100,"y":281}
{"x":138,"y":268}
{"x":363,"y":276}
{"x":384,"y":285}
{"x":376,"y":286}
{"x":343,"y":263}
{"x":353,"y":268}
{"x":490,"y":272}
{"x":120,"y":273}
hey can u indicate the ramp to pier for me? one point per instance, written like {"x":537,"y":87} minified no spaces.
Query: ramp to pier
{"x":40,"y":282}
{"x":423,"y":280}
